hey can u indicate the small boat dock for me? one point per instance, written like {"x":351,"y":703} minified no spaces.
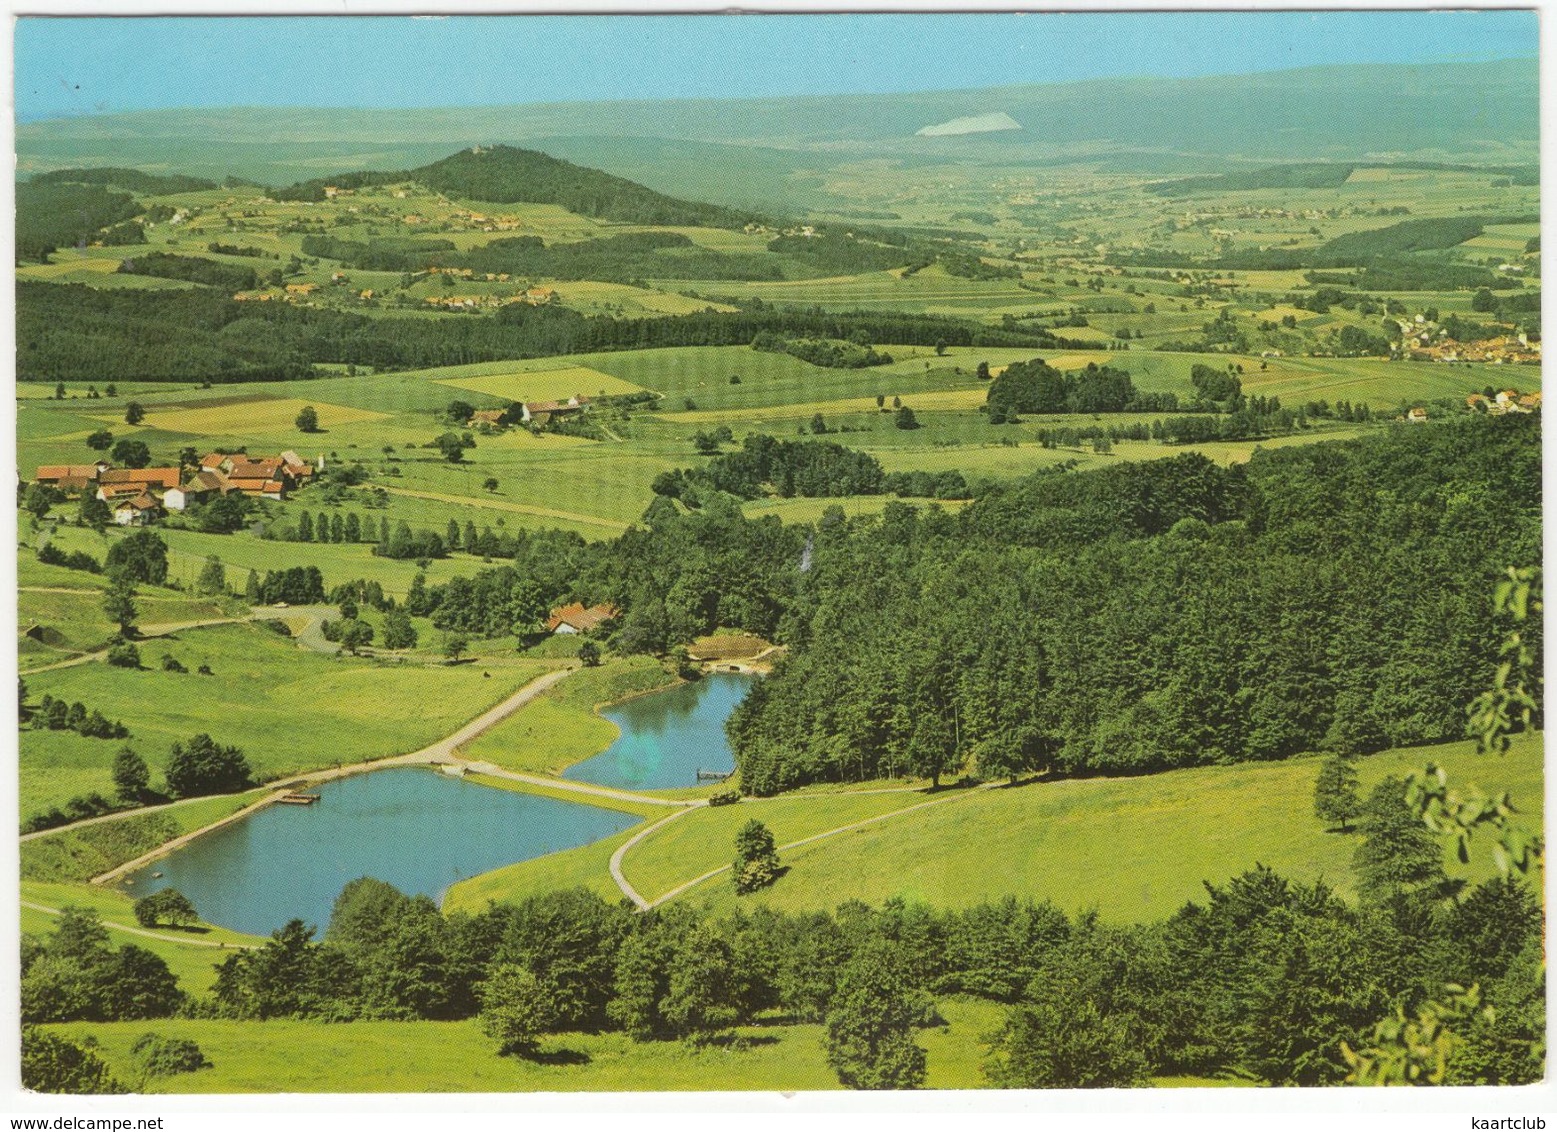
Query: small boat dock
{"x":713,"y":775}
{"x":298,"y":799}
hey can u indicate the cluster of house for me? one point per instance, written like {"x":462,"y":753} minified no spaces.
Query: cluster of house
{"x":1504,"y":401}
{"x":534,"y":296}
{"x":1425,"y":341}
{"x":136,"y":496}
{"x":536,"y":413}
{"x":575,"y":618}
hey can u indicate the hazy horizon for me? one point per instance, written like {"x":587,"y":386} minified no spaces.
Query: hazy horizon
{"x":70,"y":68}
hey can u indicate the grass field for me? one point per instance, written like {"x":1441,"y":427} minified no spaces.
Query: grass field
{"x":244,"y":417}
{"x":544,"y":385}
{"x":1167,"y":833}
{"x":412,"y":1057}
{"x":287,"y":709}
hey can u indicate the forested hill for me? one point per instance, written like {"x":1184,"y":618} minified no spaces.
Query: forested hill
{"x":1163,"y":614}
{"x":506,"y":175}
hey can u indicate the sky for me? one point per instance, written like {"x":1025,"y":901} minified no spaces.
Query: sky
{"x":75,"y":66}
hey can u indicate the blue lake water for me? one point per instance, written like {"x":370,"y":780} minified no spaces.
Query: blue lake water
{"x":667,"y":737}
{"x":419,"y":830}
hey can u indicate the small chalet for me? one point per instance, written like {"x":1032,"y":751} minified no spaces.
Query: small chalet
{"x":1417,"y":415}
{"x":136,"y":511}
{"x":575,"y":618}
{"x":493,"y":417}
{"x":198,"y":488}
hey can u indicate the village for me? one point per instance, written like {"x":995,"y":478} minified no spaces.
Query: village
{"x":138,"y":496}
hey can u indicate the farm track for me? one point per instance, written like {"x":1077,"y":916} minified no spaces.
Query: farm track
{"x":311,"y":636}
{"x":518,"y":508}
{"x":643,"y":905}
{"x":148,"y":934}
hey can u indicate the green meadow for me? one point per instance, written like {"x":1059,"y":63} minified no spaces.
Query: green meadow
{"x":286,"y":708}
{"x":413,"y":1057}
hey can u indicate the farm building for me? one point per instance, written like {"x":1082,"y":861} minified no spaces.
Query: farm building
{"x":54,"y":473}
{"x":492,"y":417}
{"x":575,"y":618}
{"x":163,"y":478}
{"x":539,"y":412}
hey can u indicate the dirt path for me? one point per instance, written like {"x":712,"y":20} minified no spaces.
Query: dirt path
{"x":632,"y":894}
{"x":576,"y":787}
{"x":148,"y":934}
{"x":621,"y":851}
{"x":146,"y":633}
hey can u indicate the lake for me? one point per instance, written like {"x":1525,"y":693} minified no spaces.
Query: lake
{"x":412,"y":827}
{"x":667,"y":737}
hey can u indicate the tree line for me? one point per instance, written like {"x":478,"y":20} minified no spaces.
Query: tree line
{"x":74,"y":332}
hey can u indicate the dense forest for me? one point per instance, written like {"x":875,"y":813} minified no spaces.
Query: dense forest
{"x":71,"y":332}
{"x":1155,"y":615}
{"x":506,"y":175}
{"x":1135,"y":618}
{"x":52,"y":215}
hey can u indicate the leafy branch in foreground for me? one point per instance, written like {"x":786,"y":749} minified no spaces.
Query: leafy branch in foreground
{"x":1418,"y":1051}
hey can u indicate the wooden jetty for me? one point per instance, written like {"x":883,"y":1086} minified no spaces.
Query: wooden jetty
{"x":713,"y":775}
{"x":298,"y":799}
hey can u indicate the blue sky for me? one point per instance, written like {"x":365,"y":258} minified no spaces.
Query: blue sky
{"x":73,"y":66}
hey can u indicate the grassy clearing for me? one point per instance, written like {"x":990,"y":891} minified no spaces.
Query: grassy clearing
{"x":1134,"y":848}
{"x":560,"y":727}
{"x":286,"y":708}
{"x":810,"y":510}
{"x":437,"y":1057}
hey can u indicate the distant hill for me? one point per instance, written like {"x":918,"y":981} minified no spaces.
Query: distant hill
{"x":506,"y":175}
{"x":1477,"y":113}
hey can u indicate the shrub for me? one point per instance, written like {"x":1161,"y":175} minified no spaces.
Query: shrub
{"x":170,"y":663}
{"x":724,"y":798}
{"x":162,"y":1057}
{"x":124,"y":655}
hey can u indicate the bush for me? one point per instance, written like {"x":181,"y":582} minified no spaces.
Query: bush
{"x":724,"y":798}
{"x":169,"y":906}
{"x":162,"y":1057}
{"x":124,"y":655}
{"x":170,"y":663}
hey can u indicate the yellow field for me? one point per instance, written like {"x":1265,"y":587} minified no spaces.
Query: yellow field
{"x":277,"y":414}
{"x":545,"y":385}
{"x":938,"y":400}
{"x":66,"y":263}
